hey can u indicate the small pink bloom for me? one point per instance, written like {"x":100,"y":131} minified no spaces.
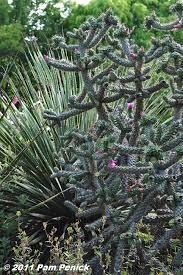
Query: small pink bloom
{"x":46,"y":57}
{"x":76,"y":51}
{"x":15,"y":100}
{"x":126,"y":29}
{"x":114,"y":150}
{"x":178,"y":26}
{"x":142,"y":114}
{"x":133,"y":56}
{"x":130,"y":105}
{"x":112,"y":163}
{"x":129,"y":189}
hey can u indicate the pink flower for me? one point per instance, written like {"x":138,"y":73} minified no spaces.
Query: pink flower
{"x":131,"y":105}
{"x":99,"y":151}
{"x":114,"y":150}
{"x":129,"y":189}
{"x":112,"y":163}
{"x":15,"y":100}
{"x":126,"y":29}
{"x":76,"y":51}
{"x":46,"y":57}
{"x":133,"y":56}
{"x":178,"y":26}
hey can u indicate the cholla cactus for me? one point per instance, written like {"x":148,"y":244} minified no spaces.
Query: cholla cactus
{"x":127,"y":168}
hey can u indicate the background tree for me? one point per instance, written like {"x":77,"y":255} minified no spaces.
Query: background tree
{"x":132,"y":13}
{"x":25,"y":18}
{"x":10,"y":31}
{"x":4,"y":12}
{"x":21,"y":10}
{"x":29,"y":20}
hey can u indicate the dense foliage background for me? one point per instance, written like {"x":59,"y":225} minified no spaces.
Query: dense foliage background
{"x":25,"y":19}
{"x":30,"y":21}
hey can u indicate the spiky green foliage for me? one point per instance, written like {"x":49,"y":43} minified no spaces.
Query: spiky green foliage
{"x":28,"y":146}
{"x":124,"y":170}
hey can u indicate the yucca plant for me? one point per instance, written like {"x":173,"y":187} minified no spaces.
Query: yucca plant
{"x":28,"y":146}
